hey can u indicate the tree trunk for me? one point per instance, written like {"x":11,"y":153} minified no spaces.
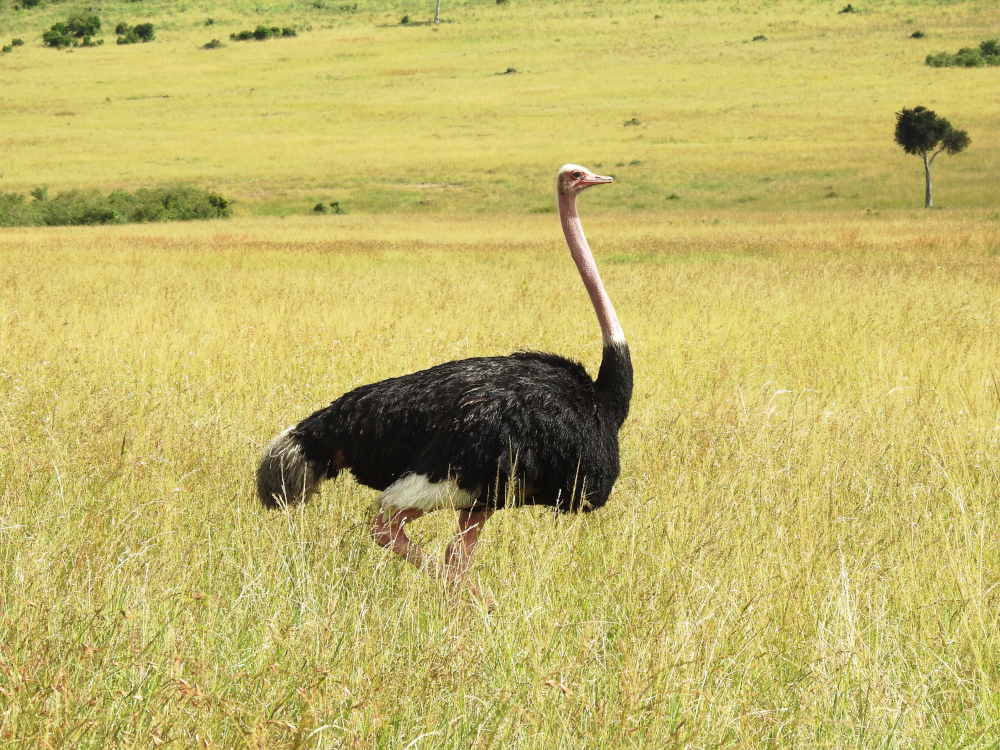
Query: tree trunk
{"x":928,"y":203}
{"x":437,"y":12}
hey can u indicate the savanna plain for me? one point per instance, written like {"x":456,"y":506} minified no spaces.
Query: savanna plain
{"x":802,"y":549}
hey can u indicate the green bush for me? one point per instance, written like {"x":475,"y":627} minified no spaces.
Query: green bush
{"x":969,"y":57}
{"x":14,"y":210}
{"x":77,"y":31}
{"x":262,"y":33}
{"x":142,"y":32}
{"x":214,"y":44}
{"x":219,"y":203}
{"x":987,"y":53}
{"x":83,"y":24}
{"x":16,"y":42}
{"x":79,"y":207}
{"x":989,"y":48}
{"x":57,"y":37}
{"x":320,"y":208}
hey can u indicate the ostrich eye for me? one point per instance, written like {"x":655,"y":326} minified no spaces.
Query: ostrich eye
{"x":576,"y":175}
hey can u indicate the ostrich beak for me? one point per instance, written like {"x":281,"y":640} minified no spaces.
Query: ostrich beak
{"x":595,"y":179}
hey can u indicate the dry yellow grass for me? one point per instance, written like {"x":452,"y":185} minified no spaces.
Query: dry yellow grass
{"x":802,"y":549}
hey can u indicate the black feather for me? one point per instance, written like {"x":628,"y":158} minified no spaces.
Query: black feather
{"x":531,"y":426}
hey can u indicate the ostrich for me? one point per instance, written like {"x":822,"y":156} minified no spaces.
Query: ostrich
{"x":474,"y":434}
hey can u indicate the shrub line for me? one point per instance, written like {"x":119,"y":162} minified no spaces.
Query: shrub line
{"x":82,"y":207}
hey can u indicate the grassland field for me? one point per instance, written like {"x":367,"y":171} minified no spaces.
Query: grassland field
{"x":802,"y":549}
{"x":386,"y":118}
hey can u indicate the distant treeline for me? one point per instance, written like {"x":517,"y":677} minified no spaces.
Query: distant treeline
{"x":78,"y":207}
{"x":987,"y":53}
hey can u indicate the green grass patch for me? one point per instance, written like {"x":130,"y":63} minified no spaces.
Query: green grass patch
{"x":360,"y":104}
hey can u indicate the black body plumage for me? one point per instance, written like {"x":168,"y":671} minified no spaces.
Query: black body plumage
{"x":531,"y":428}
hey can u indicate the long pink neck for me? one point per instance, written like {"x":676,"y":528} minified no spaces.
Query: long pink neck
{"x":584,"y":259}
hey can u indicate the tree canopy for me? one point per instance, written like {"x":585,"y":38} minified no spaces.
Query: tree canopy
{"x":921,"y":131}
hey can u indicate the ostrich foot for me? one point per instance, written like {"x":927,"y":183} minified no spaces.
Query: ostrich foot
{"x":483,"y":595}
{"x":457,"y":586}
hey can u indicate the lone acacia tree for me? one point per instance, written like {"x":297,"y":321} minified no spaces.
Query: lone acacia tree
{"x":921,"y":131}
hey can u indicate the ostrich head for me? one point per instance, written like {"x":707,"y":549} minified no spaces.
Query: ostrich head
{"x":573,"y":178}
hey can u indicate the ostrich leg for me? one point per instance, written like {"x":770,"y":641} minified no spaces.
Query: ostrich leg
{"x":459,"y":552}
{"x":391,"y":535}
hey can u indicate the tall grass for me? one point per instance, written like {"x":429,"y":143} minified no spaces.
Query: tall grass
{"x":801,"y":551}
